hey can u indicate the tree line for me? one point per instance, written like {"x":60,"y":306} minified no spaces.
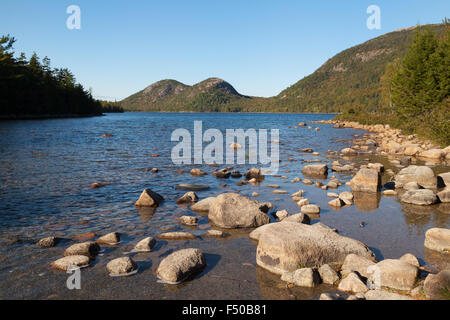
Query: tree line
{"x":30,"y":87}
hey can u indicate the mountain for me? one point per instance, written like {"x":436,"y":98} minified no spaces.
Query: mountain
{"x":351,"y":80}
{"x":212,"y":94}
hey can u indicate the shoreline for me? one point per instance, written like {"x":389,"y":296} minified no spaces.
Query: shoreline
{"x":47,"y":116}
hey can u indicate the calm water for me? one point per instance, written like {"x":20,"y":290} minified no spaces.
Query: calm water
{"x":46,"y":168}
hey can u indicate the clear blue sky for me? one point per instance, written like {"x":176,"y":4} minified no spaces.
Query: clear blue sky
{"x":260,"y":47}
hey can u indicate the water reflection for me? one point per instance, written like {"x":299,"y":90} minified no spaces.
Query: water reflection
{"x":367,"y":201}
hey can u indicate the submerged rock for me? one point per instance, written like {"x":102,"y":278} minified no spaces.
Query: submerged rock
{"x":181,"y":265}
{"x":121,"y":266}
{"x":47,"y":242}
{"x":192,"y":187}
{"x":231,"y":210}
{"x":176,"y":236}
{"x":149,"y":198}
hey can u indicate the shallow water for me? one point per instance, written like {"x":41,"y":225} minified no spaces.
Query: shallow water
{"x":46,"y":167}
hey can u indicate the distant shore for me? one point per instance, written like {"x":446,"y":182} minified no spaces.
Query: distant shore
{"x":46,"y":116}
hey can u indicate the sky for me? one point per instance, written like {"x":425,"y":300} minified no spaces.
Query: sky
{"x":260,"y":47}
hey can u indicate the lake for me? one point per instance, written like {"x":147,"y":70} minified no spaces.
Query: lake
{"x":47,"y":166}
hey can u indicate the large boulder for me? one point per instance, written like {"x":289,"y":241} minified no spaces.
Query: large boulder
{"x":437,"y":286}
{"x":421,"y":197}
{"x":432,"y":154}
{"x":283,"y":247}
{"x":395,"y":274}
{"x":315,"y":170}
{"x":149,"y":198}
{"x":438,"y":239}
{"x":231,"y":210}
{"x":203,"y":205}
{"x":181,"y":265}
{"x":355,"y":263}
{"x":366,"y":180}
{"x":423,"y":175}
{"x":352,"y":283}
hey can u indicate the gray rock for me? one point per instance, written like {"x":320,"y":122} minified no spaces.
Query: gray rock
{"x":47,"y":242}
{"x":423,"y":175}
{"x":395,"y":274}
{"x":328,"y":274}
{"x":188,"y":197}
{"x":203,"y":205}
{"x":121,"y":266}
{"x":421,"y":197}
{"x":305,"y":277}
{"x":283,"y":246}
{"x":231,"y":210}
{"x":89,"y":249}
{"x":149,"y":198}
{"x":110,"y":238}
{"x":438,"y":239}
{"x":437,"y":286}
{"x":146,"y":244}
{"x":67,"y":262}
{"x":366,"y":180}
{"x":358,"y":264}
{"x":352,"y":283}
{"x":384,"y":295}
{"x":181,"y":265}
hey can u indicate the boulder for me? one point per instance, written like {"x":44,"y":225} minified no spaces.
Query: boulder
{"x":310,"y":209}
{"x":328,"y":274}
{"x":444,"y":178}
{"x":302,"y":202}
{"x":298,"y":217}
{"x":438,"y":239}
{"x":366,"y":180}
{"x":433,"y":154}
{"x":395,"y":274}
{"x":377,"y":166}
{"x":203,"y":205}
{"x":336,"y":203}
{"x":352,"y":283}
{"x":411,"y":259}
{"x":421,"y":197}
{"x":149,"y":198}
{"x":254,"y":173}
{"x":47,"y":242}
{"x":282,"y":214}
{"x":181,"y":265}
{"x":305,"y":277}
{"x":412,"y":150}
{"x":65,"y":263}
{"x":444,"y":195}
{"x":315,"y":170}
{"x":145,"y":245}
{"x":121,"y":266}
{"x":346,"y":195}
{"x":188,"y":197}
{"x":89,"y":249}
{"x":283,"y":246}
{"x":423,"y":175}
{"x":110,"y":238}
{"x":359,"y":264}
{"x":231,"y":210}
{"x":437,"y":286}
{"x":411,"y":186}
